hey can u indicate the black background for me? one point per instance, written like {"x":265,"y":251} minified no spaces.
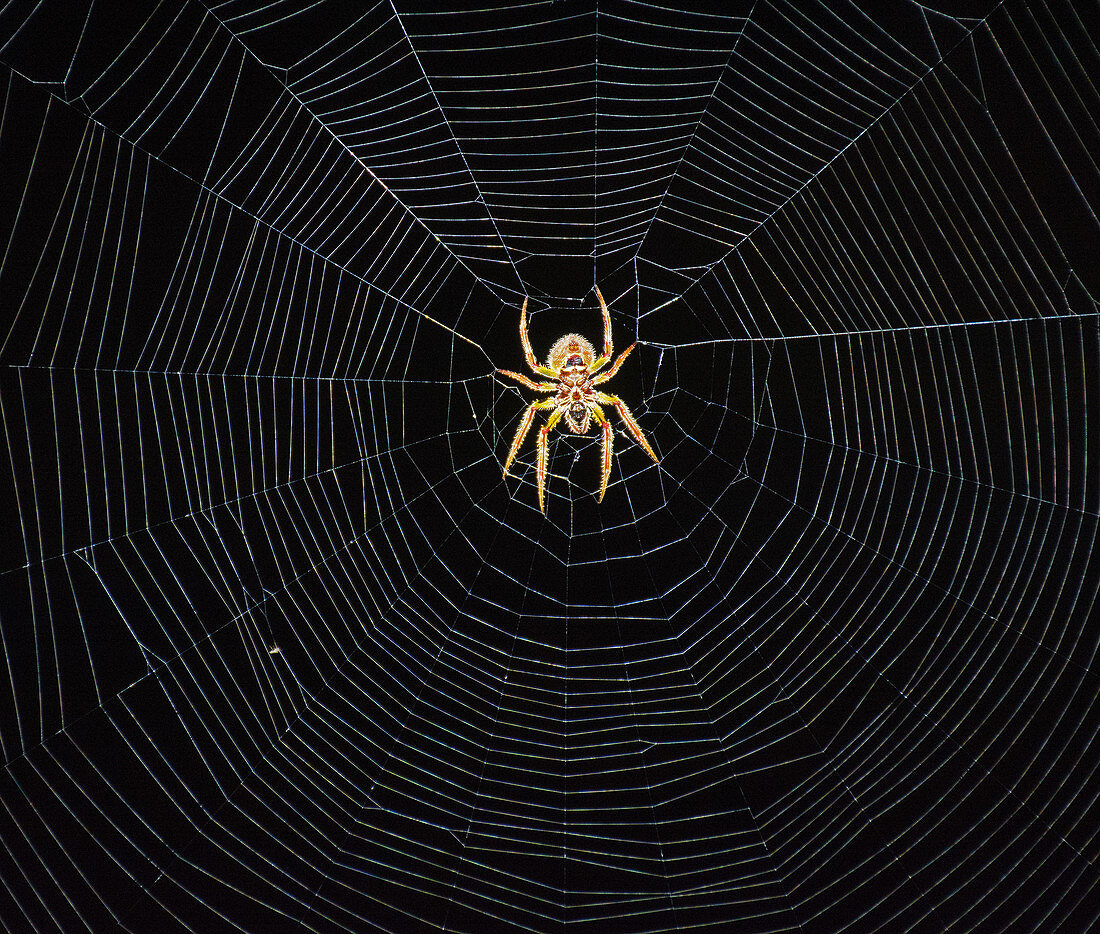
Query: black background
{"x":830,"y":667}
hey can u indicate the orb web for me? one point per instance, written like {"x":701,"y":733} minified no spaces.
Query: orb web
{"x":283,"y":651}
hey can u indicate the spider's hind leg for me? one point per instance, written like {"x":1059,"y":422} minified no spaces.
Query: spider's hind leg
{"x":530,"y":383}
{"x":528,"y":353}
{"x":607,"y":374}
{"x":603,"y":359}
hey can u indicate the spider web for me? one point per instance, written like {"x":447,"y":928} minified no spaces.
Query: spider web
{"x":282,"y":649}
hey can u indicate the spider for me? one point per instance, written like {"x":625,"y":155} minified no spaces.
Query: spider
{"x":572,"y":364}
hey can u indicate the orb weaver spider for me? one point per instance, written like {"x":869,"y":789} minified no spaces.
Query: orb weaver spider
{"x":572,"y":364}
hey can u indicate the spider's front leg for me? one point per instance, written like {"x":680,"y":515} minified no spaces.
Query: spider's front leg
{"x":605,"y":466}
{"x":624,"y":413}
{"x":524,"y":427}
{"x":544,"y":453}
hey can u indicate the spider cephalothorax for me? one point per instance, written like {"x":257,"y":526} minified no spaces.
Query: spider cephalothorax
{"x":573,"y":365}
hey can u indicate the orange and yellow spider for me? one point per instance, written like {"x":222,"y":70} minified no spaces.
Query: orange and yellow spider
{"x":573,"y":365}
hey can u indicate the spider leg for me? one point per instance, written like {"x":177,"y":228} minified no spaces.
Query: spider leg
{"x":607,"y":374}
{"x":601,"y":361}
{"x":530,"y":383}
{"x":605,"y":467}
{"x":524,"y":427}
{"x":528,"y":353}
{"x":544,"y":453}
{"x":624,"y":413}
